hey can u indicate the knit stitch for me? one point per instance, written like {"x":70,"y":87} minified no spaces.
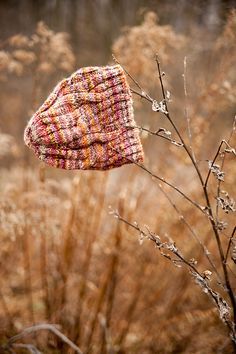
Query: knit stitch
{"x":87,"y":122}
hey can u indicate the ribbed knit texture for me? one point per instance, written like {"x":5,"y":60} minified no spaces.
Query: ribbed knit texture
{"x":86,"y":122}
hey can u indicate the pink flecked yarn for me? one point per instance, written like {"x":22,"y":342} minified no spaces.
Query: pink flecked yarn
{"x":87,"y":122}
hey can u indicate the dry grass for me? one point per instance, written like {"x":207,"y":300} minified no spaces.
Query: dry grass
{"x":66,"y":260}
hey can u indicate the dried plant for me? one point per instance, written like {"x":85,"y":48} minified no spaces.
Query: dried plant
{"x":9,"y":146}
{"x":168,"y":249}
{"x":135,"y":47}
{"x":45,"y":52}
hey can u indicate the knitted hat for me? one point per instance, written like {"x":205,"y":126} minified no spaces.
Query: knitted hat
{"x":87,"y":122}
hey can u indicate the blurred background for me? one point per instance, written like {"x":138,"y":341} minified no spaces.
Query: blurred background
{"x":64,"y":258}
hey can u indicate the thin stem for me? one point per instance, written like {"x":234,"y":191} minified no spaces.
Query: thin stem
{"x":200,"y":278}
{"x":151,"y":236}
{"x":182,"y":218}
{"x":222,"y":166}
{"x":43,"y":249}
{"x":28,"y":268}
{"x":142,"y":95}
{"x":173,"y":124}
{"x":216,"y":155}
{"x":161,"y":179}
{"x":160,"y":74}
{"x":131,"y":77}
{"x":47,"y":327}
{"x":186,"y":109}
{"x":156,"y":133}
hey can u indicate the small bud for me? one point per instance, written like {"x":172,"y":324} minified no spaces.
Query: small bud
{"x":207,"y":274}
{"x":155,"y":106}
{"x":168,"y":95}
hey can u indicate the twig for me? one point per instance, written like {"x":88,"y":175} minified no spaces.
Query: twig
{"x":156,"y":239}
{"x":143,"y":93}
{"x":106,"y":344}
{"x":167,"y":114}
{"x":45,"y":327}
{"x":160,"y":74}
{"x":186,"y":108}
{"x":202,"y":209}
{"x":200,"y":279}
{"x":222,"y":166}
{"x":161,"y":179}
{"x":195,"y":236}
{"x":216,"y":155}
{"x":131,"y":77}
{"x":159,"y":133}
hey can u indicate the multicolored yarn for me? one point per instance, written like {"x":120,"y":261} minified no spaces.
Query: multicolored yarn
{"x":87,"y":122}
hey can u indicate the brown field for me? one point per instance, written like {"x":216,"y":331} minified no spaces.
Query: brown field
{"x":68,"y":256}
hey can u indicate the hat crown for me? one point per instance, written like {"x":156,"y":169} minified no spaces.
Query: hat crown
{"x":83,"y":122}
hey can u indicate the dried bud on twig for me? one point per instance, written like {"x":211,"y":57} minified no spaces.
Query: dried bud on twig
{"x":207,"y":274}
{"x":227,"y":204}
{"x":215,"y":169}
{"x":159,"y":107}
{"x":221,"y":225}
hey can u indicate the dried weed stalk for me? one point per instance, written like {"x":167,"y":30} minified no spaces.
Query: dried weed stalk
{"x":45,"y":52}
{"x":168,"y":249}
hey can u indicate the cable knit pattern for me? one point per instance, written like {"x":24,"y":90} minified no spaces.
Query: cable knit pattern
{"x":87,"y":122}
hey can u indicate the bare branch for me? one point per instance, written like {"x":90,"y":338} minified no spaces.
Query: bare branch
{"x":161,"y":132}
{"x":160,"y":74}
{"x":143,"y":93}
{"x":161,"y":179}
{"x":193,"y":233}
{"x":233,"y":130}
{"x":200,"y":278}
